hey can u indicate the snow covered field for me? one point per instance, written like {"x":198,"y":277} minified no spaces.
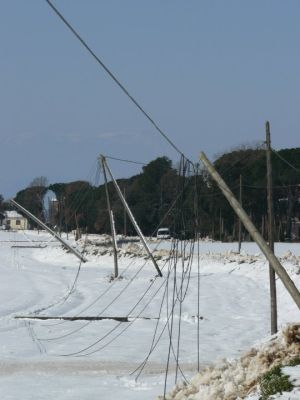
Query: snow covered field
{"x":88,"y":360}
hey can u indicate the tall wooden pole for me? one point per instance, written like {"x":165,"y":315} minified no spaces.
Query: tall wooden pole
{"x":125,"y":215}
{"x":220,"y":226}
{"x":60,"y":205}
{"x":273,"y":297}
{"x":240,"y":222}
{"x":114,"y":243}
{"x":279,"y":269}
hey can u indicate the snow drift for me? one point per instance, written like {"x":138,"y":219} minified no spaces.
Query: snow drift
{"x":231,"y":380}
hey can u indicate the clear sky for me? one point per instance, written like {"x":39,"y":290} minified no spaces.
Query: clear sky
{"x":209,"y":72}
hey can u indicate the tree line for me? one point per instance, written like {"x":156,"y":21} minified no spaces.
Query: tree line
{"x":186,"y":199}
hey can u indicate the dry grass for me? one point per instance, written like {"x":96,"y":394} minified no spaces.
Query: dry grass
{"x":230,"y":380}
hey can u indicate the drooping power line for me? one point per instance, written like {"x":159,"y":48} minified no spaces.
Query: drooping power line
{"x":114,"y":78}
{"x":127,"y":161}
{"x":285,"y":161}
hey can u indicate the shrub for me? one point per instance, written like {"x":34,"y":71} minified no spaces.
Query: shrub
{"x":274,"y":381}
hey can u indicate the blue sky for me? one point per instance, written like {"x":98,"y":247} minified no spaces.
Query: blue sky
{"x":209,"y":72}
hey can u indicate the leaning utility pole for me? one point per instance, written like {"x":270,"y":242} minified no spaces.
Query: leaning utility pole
{"x":273,"y":297}
{"x":112,"y":228}
{"x":240,"y":222}
{"x":131,"y":217}
{"x":279,"y":269}
{"x":44,"y":226}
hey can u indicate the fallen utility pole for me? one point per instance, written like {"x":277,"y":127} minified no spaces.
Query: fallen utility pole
{"x":111,"y":220}
{"x":44,"y":226}
{"x":276,"y":265}
{"x":39,"y":246}
{"x":273,"y":296}
{"x":48,"y":318}
{"x":131,"y":217}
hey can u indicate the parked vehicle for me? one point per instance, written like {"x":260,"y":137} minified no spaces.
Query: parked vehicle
{"x":163,"y":233}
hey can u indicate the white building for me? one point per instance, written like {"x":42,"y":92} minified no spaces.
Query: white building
{"x":14,"y":220}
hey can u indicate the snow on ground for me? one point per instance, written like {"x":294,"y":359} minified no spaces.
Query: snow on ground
{"x":235,"y":379}
{"x":52,"y":358}
{"x":251,"y":248}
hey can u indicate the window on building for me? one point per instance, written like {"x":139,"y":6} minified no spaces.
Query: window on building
{"x":18,"y":222}
{"x":8,"y":222}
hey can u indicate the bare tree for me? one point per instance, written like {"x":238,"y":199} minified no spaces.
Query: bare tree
{"x":41,"y":181}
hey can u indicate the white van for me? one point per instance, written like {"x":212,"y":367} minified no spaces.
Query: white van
{"x":163,"y":233}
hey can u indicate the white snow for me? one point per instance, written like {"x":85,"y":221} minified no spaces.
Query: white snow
{"x":293,"y":373}
{"x":12,"y":214}
{"x":234,"y":310}
{"x":235,"y":379}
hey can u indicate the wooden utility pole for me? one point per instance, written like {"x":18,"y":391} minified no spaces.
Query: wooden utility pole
{"x":60,"y":205}
{"x":125,"y":215}
{"x":131,"y":217}
{"x":111,"y":221}
{"x":220,"y":226}
{"x":273,"y":297}
{"x":54,"y":234}
{"x":279,"y":269}
{"x":114,"y":237}
{"x":240,"y":222}
{"x":77,"y":234}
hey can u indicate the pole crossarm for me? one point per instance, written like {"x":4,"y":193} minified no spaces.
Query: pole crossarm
{"x":44,"y":226}
{"x":276,"y":265}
